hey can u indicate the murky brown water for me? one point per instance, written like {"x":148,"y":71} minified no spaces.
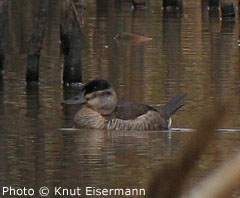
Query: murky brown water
{"x":194,"y":54}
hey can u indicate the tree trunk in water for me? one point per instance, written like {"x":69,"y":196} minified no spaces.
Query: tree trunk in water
{"x":71,"y":43}
{"x":213,"y":4}
{"x":139,"y":4}
{"x":35,"y":44}
{"x":172,"y":3}
{"x":3,"y":24}
{"x":227,"y":8}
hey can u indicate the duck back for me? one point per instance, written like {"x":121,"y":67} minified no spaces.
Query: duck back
{"x":126,"y":110}
{"x":133,"y":116}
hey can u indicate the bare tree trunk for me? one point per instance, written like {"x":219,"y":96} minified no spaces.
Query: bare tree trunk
{"x":172,"y":3}
{"x":71,"y":43}
{"x":213,"y":4}
{"x":35,"y":44}
{"x":139,"y":4}
{"x":3,"y":24}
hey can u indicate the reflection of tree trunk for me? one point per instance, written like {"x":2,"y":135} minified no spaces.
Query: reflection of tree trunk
{"x":172,"y":3}
{"x":136,"y":63}
{"x":106,"y":17}
{"x":1,"y":96}
{"x":173,"y":49}
{"x":20,"y":15}
{"x":213,"y":3}
{"x":33,"y":104}
{"x":125,"y":61}
{"x":72,"y":42}
{"x":102,"y":7}
{"x":227,"y":8}
{"x":221,"y":53}
{"x":35,"y":44}
{"x":50,"y":35}
{"x":3,"y":23}
{"x":136,"y":60}
{"x":138,"y":4}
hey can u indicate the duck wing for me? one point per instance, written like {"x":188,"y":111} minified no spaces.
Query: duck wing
{"x":126,"y":110}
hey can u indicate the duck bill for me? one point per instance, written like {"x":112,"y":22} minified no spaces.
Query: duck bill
{"x":78,"y":99}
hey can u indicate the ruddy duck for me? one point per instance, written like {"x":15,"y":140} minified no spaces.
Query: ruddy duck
{"x":101,"y":109}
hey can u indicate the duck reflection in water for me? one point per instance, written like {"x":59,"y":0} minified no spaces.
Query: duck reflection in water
{"x":101,"y":109}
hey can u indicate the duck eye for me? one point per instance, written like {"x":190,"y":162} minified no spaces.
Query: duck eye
{"x":108,"y":93}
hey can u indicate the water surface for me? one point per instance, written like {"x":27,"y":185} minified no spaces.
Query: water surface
{"x":191,"y":53}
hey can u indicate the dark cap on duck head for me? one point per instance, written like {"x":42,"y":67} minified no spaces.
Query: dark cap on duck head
{"x":90,"y":87}
{"x":96,"y":85}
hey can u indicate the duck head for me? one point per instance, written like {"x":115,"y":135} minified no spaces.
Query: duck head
{"x":97,"y":94}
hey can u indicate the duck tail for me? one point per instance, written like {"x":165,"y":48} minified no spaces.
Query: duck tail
{"x":173,"y":105}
